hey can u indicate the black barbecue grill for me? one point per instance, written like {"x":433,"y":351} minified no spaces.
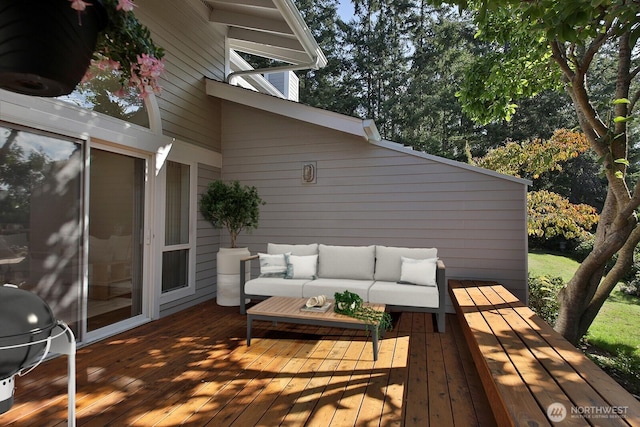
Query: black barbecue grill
{"x":28,"y":331}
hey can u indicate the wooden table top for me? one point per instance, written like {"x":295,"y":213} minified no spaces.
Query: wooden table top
{"x":287,"y":307}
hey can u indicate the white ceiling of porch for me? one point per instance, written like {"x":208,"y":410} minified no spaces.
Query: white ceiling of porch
{"x":268,"y":28}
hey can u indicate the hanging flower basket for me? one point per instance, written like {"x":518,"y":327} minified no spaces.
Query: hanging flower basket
{"x":46,"y":46}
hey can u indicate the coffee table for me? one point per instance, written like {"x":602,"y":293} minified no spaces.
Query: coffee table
{"x":286,"y":309}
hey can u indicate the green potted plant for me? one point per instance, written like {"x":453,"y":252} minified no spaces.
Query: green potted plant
{"x":234,"y":207}
{"x":46,"y":46}
{"x":350,"y":304}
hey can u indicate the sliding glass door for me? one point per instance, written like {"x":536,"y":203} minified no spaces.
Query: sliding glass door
{"x":116,"y":213}
{"x":48,"y":202}
{"x":40,"y":218}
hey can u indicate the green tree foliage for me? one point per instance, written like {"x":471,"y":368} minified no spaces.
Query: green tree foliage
{"x":530,"y":159}
{"x":546,"y":44}
{"x":443,"y":44}
{"x":377,"y":47}
{"x":325,"y":88}
{"x":401,"y":64}
{"x":551,"y":215}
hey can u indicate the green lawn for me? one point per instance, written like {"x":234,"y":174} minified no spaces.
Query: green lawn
{"x":615,"y":329}
{"x":541,"y":264}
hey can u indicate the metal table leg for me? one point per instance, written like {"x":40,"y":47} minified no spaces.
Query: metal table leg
{"x":374,"y":341}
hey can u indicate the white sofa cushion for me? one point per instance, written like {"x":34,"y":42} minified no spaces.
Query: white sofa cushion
{"x":346,"y":262}
{"x":389,"y":262}
{"x":275,"y":286}
{"x":329,"y":287}
{"x":273,"y":264}
{"x":392,"y":293}
{"x":301,"y":267}
{"x":299,"y":250}
{"x":419,"y":271}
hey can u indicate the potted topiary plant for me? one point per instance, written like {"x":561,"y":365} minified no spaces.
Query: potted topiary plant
{"x":236,"y":208}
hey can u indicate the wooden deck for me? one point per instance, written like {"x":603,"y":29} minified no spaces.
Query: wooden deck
{"x":194,"y":368}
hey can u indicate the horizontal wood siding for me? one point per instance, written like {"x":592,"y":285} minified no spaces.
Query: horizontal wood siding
{"x":208,"y":240}
{"x":207,"y":245}
{"x":367,"y":194}
{"x":194,"y":51}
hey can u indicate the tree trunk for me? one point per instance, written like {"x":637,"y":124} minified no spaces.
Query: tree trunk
{"x":617,"y":230}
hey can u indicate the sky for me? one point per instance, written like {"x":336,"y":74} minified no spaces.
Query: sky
{"x":345,"y":9}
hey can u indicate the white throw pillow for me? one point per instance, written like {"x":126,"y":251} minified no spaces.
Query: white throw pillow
{"x":302,"y":267}
{"x":419,"y":271}
{"x":389,"y":260}
{"x":272,"y":265}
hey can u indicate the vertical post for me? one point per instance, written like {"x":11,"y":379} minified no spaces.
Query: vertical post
{"x":64,"y":342}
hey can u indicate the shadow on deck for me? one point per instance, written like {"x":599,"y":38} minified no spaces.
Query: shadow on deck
{"x":194,"y":368}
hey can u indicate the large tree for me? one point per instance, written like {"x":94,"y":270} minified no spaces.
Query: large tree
{"x":542,"y":44}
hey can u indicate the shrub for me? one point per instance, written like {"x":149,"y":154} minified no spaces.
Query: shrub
{"x":583,"y":248}
{"x":633,"y":287}
{"x":586,"y":245}
{"x":543,"y":297}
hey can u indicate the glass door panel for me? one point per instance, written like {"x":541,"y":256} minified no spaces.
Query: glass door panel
{"x":40,"y":218}
{"x":116,"y":212}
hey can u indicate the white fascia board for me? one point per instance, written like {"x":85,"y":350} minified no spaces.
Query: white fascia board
{"x":408,"y":150}
{"x":350,"y":125}
{"x":291,"y":14}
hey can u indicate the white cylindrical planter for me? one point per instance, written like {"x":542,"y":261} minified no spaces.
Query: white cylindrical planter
{"x":229,"y":275}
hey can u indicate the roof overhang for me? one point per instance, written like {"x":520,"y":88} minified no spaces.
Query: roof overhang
{"x":365,"y":129}
{"x":268,"y":28}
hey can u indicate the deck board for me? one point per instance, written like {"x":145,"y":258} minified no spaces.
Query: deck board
{"x":194,"y":368}
{"x":525,"y":366}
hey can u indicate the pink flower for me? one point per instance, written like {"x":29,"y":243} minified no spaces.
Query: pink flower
{"x":141,"y":71}
{"x":79,"y":5}
{"x":120,"y":93}
{"x":144,"y":74}
{"x":126,"y":5}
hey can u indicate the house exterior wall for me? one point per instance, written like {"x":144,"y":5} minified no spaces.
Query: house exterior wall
{"x":191,"y":123}
{"x":194,"y":51}
{"x":370,"y":194}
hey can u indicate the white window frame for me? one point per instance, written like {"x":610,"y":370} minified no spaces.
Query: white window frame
{"x":190,"y":289}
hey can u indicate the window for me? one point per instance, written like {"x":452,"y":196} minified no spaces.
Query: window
{"x":175,"y":259}
{"x":104,"y":94}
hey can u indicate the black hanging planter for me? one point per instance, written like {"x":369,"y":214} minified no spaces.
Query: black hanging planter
{"x":45,"y":45}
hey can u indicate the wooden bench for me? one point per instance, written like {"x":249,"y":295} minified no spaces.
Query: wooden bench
{"x":531,"y":374}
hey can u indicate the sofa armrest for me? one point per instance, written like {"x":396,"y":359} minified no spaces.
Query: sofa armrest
{"x":441,"y":281}
{"x":243,"y":280}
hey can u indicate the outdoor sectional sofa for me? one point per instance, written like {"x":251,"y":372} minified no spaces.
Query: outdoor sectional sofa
{"x":404,"y":279}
